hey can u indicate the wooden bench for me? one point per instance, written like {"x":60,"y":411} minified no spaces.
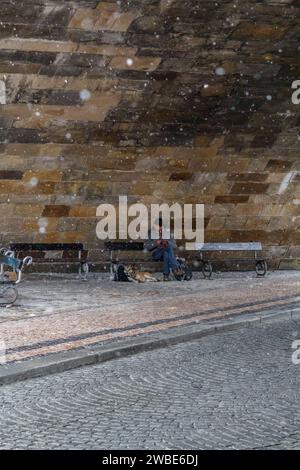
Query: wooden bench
{"x":139,"y":246}
{"x":112,"y":247}
{"x":254,"y":247}
{"x":8,"y":290}
{"x":68,"y":248}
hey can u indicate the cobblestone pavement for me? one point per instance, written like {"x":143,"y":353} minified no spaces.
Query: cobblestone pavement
{"x":59,"y":313}
{"x":231,"y":390}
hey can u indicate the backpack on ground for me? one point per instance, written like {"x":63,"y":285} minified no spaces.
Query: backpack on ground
{"x":119,"y":273}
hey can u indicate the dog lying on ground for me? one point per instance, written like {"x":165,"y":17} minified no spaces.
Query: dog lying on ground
{"x":134,"y":275}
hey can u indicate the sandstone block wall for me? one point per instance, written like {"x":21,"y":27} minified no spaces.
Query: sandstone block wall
{"x":162,"y":100}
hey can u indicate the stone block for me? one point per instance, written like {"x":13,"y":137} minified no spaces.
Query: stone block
{"x":213,"y":90}
{"x":83,"y":211}
{"x":42,"y":175}
{"x":216,"y":223}
{"x":246,"y":30}
{"x":56,"y":211}
{"x":87,"y":225}
{"x":37,"y":225}
{"x":42,"y":116}
{"x":255,"y":177}
{"x":235,"y":223}
{"x":106,"y":17}
{"x":249,"y":188}
{"x":48,"y":237}
{"x":73,"y":237}
{"x":10,"y":175}
{"x":67,"y":224}
{"x":231,"y":199}
{"x":186,"y":176}
{"x":37,"y":45}
{"x":41,"y":188}
{"x":257,"y":223}
{"x":11,"y":224}
{"x":275,"y":165}
{"x":135,"y":63}
{"x":7,"y":210}
{"x":8,"y":186}
{"x":28,"y":210}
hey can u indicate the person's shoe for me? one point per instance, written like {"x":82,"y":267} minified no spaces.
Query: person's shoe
{"x":167,"y":277}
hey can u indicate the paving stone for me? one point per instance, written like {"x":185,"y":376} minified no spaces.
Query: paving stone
{"x":235,"y":390}
{"x":56,"y":313}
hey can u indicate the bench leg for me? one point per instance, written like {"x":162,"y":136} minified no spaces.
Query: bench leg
{"x":84,"y":270}
{"x":83,"y":267}
{"x":1,"y":271}
{"x":111,"y":264}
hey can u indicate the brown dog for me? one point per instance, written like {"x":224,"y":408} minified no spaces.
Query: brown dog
{"x":134,"y":275}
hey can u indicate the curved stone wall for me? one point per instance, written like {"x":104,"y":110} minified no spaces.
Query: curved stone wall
{"x":170,"y":100}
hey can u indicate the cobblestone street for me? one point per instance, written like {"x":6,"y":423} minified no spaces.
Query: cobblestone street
{"x":61,"y":313}
{"x":232,"y":390}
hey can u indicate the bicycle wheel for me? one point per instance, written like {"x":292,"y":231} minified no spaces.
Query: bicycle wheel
{"x":188,"y":274}
{"x":178,"y":277}
{"x":182,"y":267}
{"x":261,"y":267}
{"x":8,"y":295}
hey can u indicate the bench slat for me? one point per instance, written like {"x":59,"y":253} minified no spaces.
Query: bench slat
{"x":46,"y":246}
{"x":250,"y":246}
{"x":124,"y":246}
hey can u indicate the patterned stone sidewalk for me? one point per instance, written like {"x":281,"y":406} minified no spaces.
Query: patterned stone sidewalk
{"x":60,"y":313}
{"x":234,"y":390}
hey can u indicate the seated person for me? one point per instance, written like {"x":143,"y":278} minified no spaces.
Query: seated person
{"x":163,"y":250}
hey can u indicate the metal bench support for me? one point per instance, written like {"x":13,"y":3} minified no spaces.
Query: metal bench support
{"x":261,"y":266}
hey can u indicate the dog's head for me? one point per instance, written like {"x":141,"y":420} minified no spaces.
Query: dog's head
{"x":130,"y":270}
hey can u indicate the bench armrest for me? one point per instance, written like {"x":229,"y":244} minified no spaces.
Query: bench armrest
{"x":26,"y":262}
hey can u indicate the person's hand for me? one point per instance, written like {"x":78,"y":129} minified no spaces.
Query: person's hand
{"x":162,"y":243}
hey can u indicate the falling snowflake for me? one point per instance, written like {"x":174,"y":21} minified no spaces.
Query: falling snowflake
{"x":33,"y":182}
{"x":85,"y":95}
{"x":129,"y":62}
{"x":42,"y":223}
{"x":220,"y":71}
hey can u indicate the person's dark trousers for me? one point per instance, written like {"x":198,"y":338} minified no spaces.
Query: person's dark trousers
{"x":166,"y":254}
